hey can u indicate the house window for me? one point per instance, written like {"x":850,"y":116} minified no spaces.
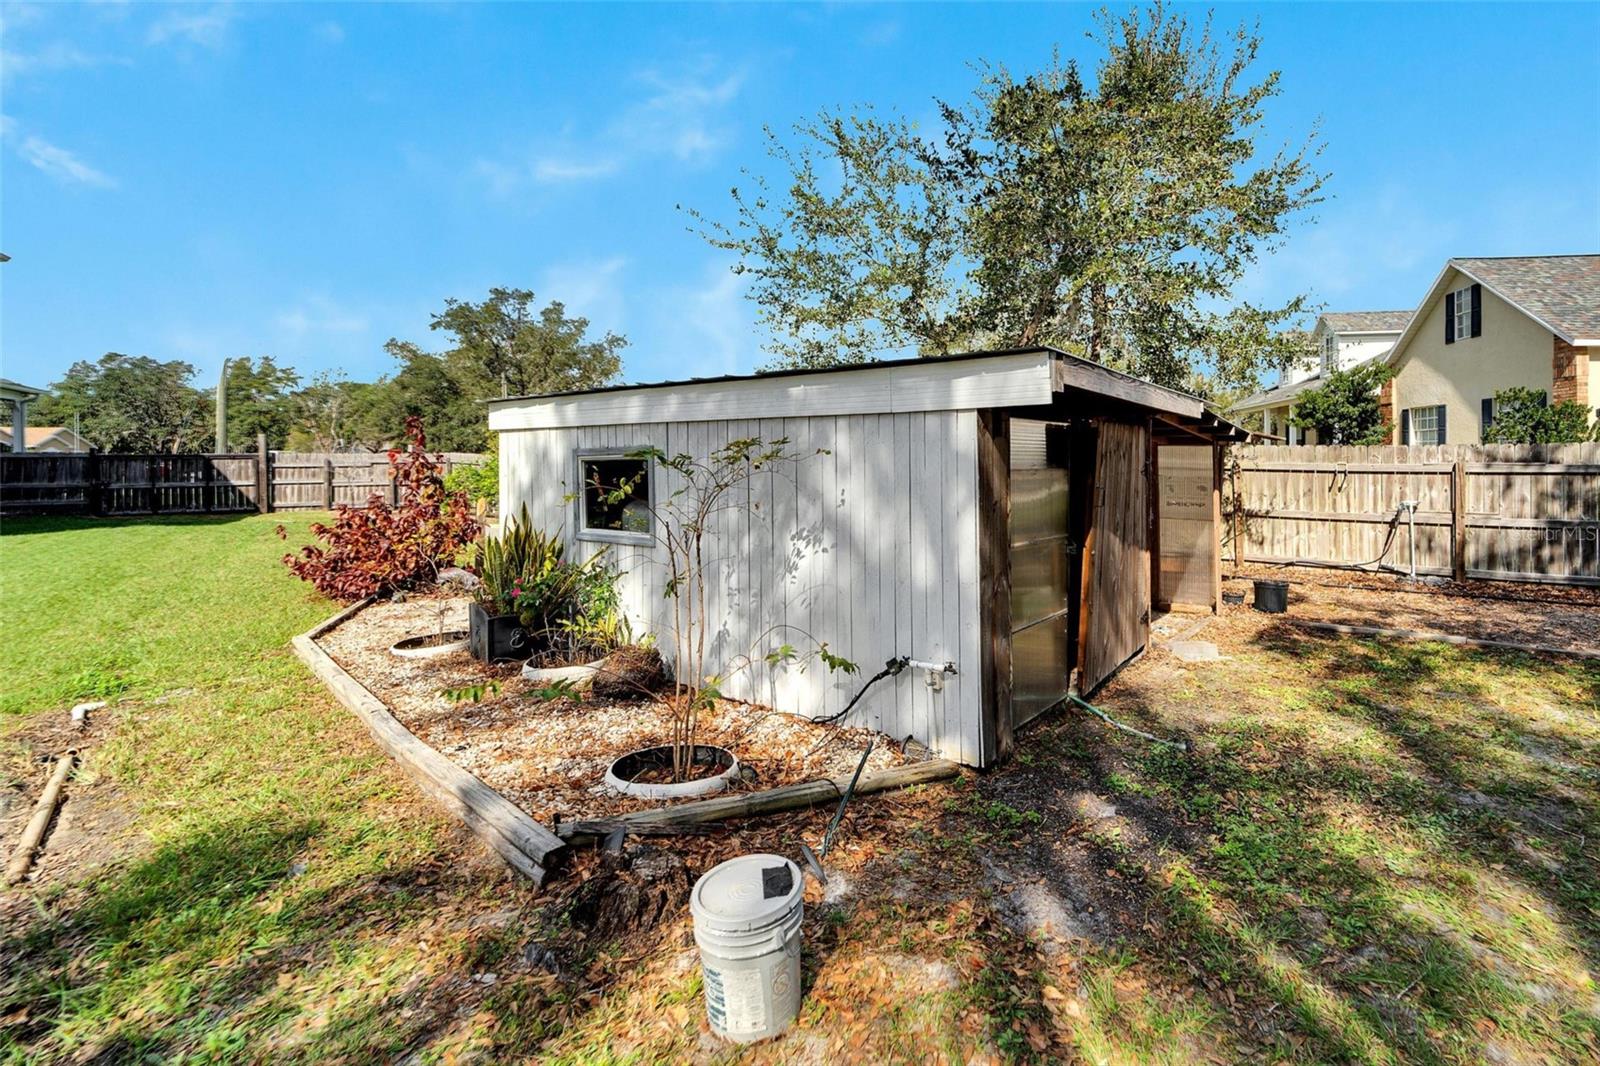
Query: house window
{"x":616,"y":498}
{"x":1463,"y":306}
{"x":1427,"y":425}
{"x":1330,"y":353}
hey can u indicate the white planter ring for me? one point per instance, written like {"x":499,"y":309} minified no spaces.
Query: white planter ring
{"x":580,"y":676}
{"x":703,"y":786}
{"x":412,"y":648}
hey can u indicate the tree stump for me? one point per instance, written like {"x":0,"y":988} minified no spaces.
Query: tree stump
{"x":649,"y":884}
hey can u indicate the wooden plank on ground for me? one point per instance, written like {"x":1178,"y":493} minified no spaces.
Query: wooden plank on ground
{"x":528,"y":846}
{"x":785,"y":798}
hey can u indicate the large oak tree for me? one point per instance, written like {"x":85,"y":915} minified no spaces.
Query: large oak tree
{"x":1113,"y":217}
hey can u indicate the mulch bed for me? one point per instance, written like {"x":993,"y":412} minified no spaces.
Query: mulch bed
{"x":550,"y":756}
{"x":1557,"y":615}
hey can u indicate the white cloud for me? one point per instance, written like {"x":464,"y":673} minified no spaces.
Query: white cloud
{"x":55,"y":56}
{"x":320,"y":315}
{"x":55,"y":161}
{"x":557,"y":169}
{"x":702,"y":329}
{"x":187,"y":25}
{"x":679,"y":116}
{"x":591,"y":288}
{"x":329,"y":32}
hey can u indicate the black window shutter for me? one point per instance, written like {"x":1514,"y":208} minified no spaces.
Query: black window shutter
{"x":1443,"y":435}
{"x":1449,"y":318}
{"x":1405,"y":427}
{"x":1477,"y":310}
{"x":1485,"y":416}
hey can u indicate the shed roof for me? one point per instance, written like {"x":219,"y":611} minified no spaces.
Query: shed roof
{"x":1011,"y":377}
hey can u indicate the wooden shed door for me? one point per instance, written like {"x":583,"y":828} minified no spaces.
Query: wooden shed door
{"x":1116,"y":609}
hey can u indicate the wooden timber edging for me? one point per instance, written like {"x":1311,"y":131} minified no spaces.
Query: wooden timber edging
{"x":525,"y":844}
{"x":772,"y":800}
{"x":1443,"y":638}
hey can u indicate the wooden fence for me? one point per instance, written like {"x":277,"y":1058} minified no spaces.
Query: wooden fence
{"x":318,"y":480}
{"x":105,"y":484}
{"x":1503,"y":512}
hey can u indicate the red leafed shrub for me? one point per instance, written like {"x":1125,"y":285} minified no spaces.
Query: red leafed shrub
{"x":378,"y":548}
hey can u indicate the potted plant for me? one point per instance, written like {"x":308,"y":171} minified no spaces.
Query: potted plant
{"x":528,"y":592}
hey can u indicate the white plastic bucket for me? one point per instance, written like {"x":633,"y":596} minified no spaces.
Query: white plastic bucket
{"x":747,"y":914}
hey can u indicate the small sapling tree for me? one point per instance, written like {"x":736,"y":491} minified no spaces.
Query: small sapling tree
{"x":686,"y":523}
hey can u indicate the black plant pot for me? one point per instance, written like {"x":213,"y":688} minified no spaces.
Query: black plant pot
{"x":494,"y":638}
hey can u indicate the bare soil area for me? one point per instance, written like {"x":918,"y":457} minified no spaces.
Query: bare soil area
{"x":550,"y":756}
{"x":1557,"y":615}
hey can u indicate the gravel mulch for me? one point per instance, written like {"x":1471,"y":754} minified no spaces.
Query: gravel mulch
{"x":549,"y":757}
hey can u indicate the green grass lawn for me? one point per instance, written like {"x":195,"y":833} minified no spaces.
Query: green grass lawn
{"x":280,"y":872}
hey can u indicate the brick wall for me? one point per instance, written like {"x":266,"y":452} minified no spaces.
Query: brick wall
{"x":1569,"y":373}
{"x":1386,"y":407}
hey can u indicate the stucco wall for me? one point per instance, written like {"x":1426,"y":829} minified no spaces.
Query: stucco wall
{"x":1513,"y":350}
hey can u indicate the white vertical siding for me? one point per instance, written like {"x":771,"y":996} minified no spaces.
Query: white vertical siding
{"x":870,"y":546}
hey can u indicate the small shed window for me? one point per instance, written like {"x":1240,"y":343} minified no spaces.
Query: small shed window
{"x":615,"y":501}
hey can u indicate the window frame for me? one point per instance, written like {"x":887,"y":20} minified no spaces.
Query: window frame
{"x":583,"y":531}
{"x":1463,"y":312}
{"x":1433,"y":410}
{"x":1330,"y":352}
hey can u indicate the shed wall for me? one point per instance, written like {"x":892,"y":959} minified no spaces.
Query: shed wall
{"x":867,"y":542}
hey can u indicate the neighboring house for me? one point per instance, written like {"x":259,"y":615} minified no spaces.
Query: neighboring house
{"x":1342,"y":339}
{"x":1489,"y":324}
{"x":46,"y":439}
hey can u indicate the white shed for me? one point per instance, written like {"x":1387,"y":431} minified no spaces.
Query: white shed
{"x":995,"y":511}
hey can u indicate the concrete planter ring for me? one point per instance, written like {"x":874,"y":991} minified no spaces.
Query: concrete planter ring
{"x":621,"y":775}
{"x":579,"y":675}
{"x":430,"y":645}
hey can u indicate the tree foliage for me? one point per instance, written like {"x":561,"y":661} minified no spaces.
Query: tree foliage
{"x":1525,"y":416}
{"x":1112,"y":219}
{"x":129,"y":403}
{"x":1344,"y":408}
{"x":260,"y":400}
{"x":377,"y":548}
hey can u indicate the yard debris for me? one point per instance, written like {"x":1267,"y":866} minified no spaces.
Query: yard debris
{"x":80,"y":713}
{"x":43,"y":812}
{"x":646,"y":885}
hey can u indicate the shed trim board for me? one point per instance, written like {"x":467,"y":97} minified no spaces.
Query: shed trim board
{"x":1010,"y":378}
{"x":885,"y":536}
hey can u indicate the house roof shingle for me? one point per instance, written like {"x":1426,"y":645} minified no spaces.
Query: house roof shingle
{"x":1562,"y":291}
{"x":1366,"y":321}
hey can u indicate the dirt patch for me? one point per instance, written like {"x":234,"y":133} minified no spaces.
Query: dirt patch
{"x":1560,"y":616}
{"x":550,"y":756}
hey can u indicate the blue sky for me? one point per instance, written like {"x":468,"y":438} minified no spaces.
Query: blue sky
{"x":306,"y":181}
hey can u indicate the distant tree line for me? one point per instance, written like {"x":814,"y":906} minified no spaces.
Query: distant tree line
{"x":501,"y":346}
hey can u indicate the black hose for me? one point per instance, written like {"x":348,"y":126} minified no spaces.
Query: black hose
{"x":890,"y":669}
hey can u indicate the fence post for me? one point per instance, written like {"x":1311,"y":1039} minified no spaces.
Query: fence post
{"x":327,"y":484}
{"x":263,"y":475}
{"x":94,"y":501}
{"x":155,"y":492}
{"x":1458,"y":519}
